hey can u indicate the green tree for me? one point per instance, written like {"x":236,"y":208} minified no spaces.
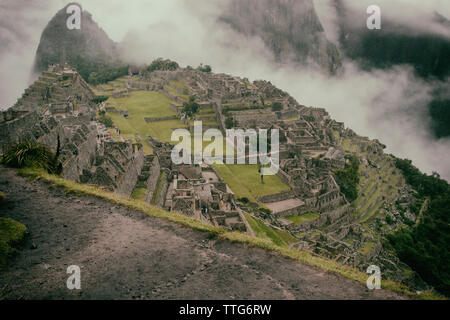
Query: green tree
{"x":425,"y":247}
{"x":191,"y":107}
{"x":163,"y":65}
{"x":204,"y":68}
{"x":348,"y":179}
{"x":229,"y":123}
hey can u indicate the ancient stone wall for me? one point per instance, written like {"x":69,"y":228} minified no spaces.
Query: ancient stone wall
{"x":287,"y":114}
{"x":16,"y":129}
{"x":174,"y":107}
{"x":155,"y":171}
{"x":148,"y":120}
{"x":325,"y":218}
{"x":284,"y":176}
{"x":74,"y":167}
{"x":282,"y":196}
{"x":163,"y":193}
{"x":293,"y":211}
{"x":79,"y":120}
{"x":129,"y":179}
{"x":329,"y":200}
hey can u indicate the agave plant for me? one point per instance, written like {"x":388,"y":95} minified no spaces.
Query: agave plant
{"x":29,"y":154}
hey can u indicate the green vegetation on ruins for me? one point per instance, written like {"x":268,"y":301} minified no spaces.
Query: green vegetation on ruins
{"x":162,"y":65}
{"x":139,"y":194}
{"x":157,"y":193}
{"x":348,"y":179}
{"x":191,"y":107}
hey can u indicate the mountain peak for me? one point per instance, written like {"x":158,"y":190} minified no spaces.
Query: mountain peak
{"x":90,"y":44}
{"x":291,"y":29}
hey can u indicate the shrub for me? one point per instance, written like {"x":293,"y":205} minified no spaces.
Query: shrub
{"x":389,"y":220}
{"x":266,"y":211}
{"x":106,"y":74}
{"x":204,"y":68}
{"x":348,"y":179}
{"x":191,"y":107}
{"x":163,"y":65}
{"x":244,"y":200}
{"x":99,"y":99}
{"x":28,"y":154}
{"x":229,"y":123}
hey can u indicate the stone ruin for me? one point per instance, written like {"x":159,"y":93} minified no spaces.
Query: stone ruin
{"x":195,"y":191}
{"x":203,"y":196}
{"x":59,"y":105}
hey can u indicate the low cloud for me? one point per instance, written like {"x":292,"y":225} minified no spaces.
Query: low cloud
{"x":417,"y":15}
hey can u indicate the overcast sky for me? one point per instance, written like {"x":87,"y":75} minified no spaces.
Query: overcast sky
{"x":377,"y":104}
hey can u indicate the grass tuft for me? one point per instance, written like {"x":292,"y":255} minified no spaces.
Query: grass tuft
{"x":11,"y":234}
{"x":30,"y":154}
{"x":2,"y":198}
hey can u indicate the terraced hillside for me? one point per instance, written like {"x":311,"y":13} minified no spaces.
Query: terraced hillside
{"x":350,"y":232}
{"x":308,"y":205}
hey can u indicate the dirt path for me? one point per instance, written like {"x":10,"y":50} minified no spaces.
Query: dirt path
{"x":127,"y":255}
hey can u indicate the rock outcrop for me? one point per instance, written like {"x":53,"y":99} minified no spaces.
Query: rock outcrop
{"x":81,"y":48}
{"x":290,"y":29}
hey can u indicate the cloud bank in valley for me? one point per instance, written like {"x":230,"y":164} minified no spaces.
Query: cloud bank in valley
{"x":387,"y":105}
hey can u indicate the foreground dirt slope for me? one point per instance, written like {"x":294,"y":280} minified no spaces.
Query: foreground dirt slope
{"x":125,"y":254}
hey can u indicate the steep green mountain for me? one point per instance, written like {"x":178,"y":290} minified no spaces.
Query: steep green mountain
{"x":396,"y":44}
{"x":89,"y":49}
{"x":290,"y":29}
{"x":424,"y":246}
{"x":293,"y":32}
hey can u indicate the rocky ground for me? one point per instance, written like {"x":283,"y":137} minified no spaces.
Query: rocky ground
{"x":124,"y":254}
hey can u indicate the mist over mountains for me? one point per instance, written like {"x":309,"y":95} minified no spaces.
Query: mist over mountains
{"x":397,"y":43}
{"x":375,"y":93}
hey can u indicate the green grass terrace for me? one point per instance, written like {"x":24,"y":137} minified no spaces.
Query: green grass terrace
{"x":245,"y":181}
